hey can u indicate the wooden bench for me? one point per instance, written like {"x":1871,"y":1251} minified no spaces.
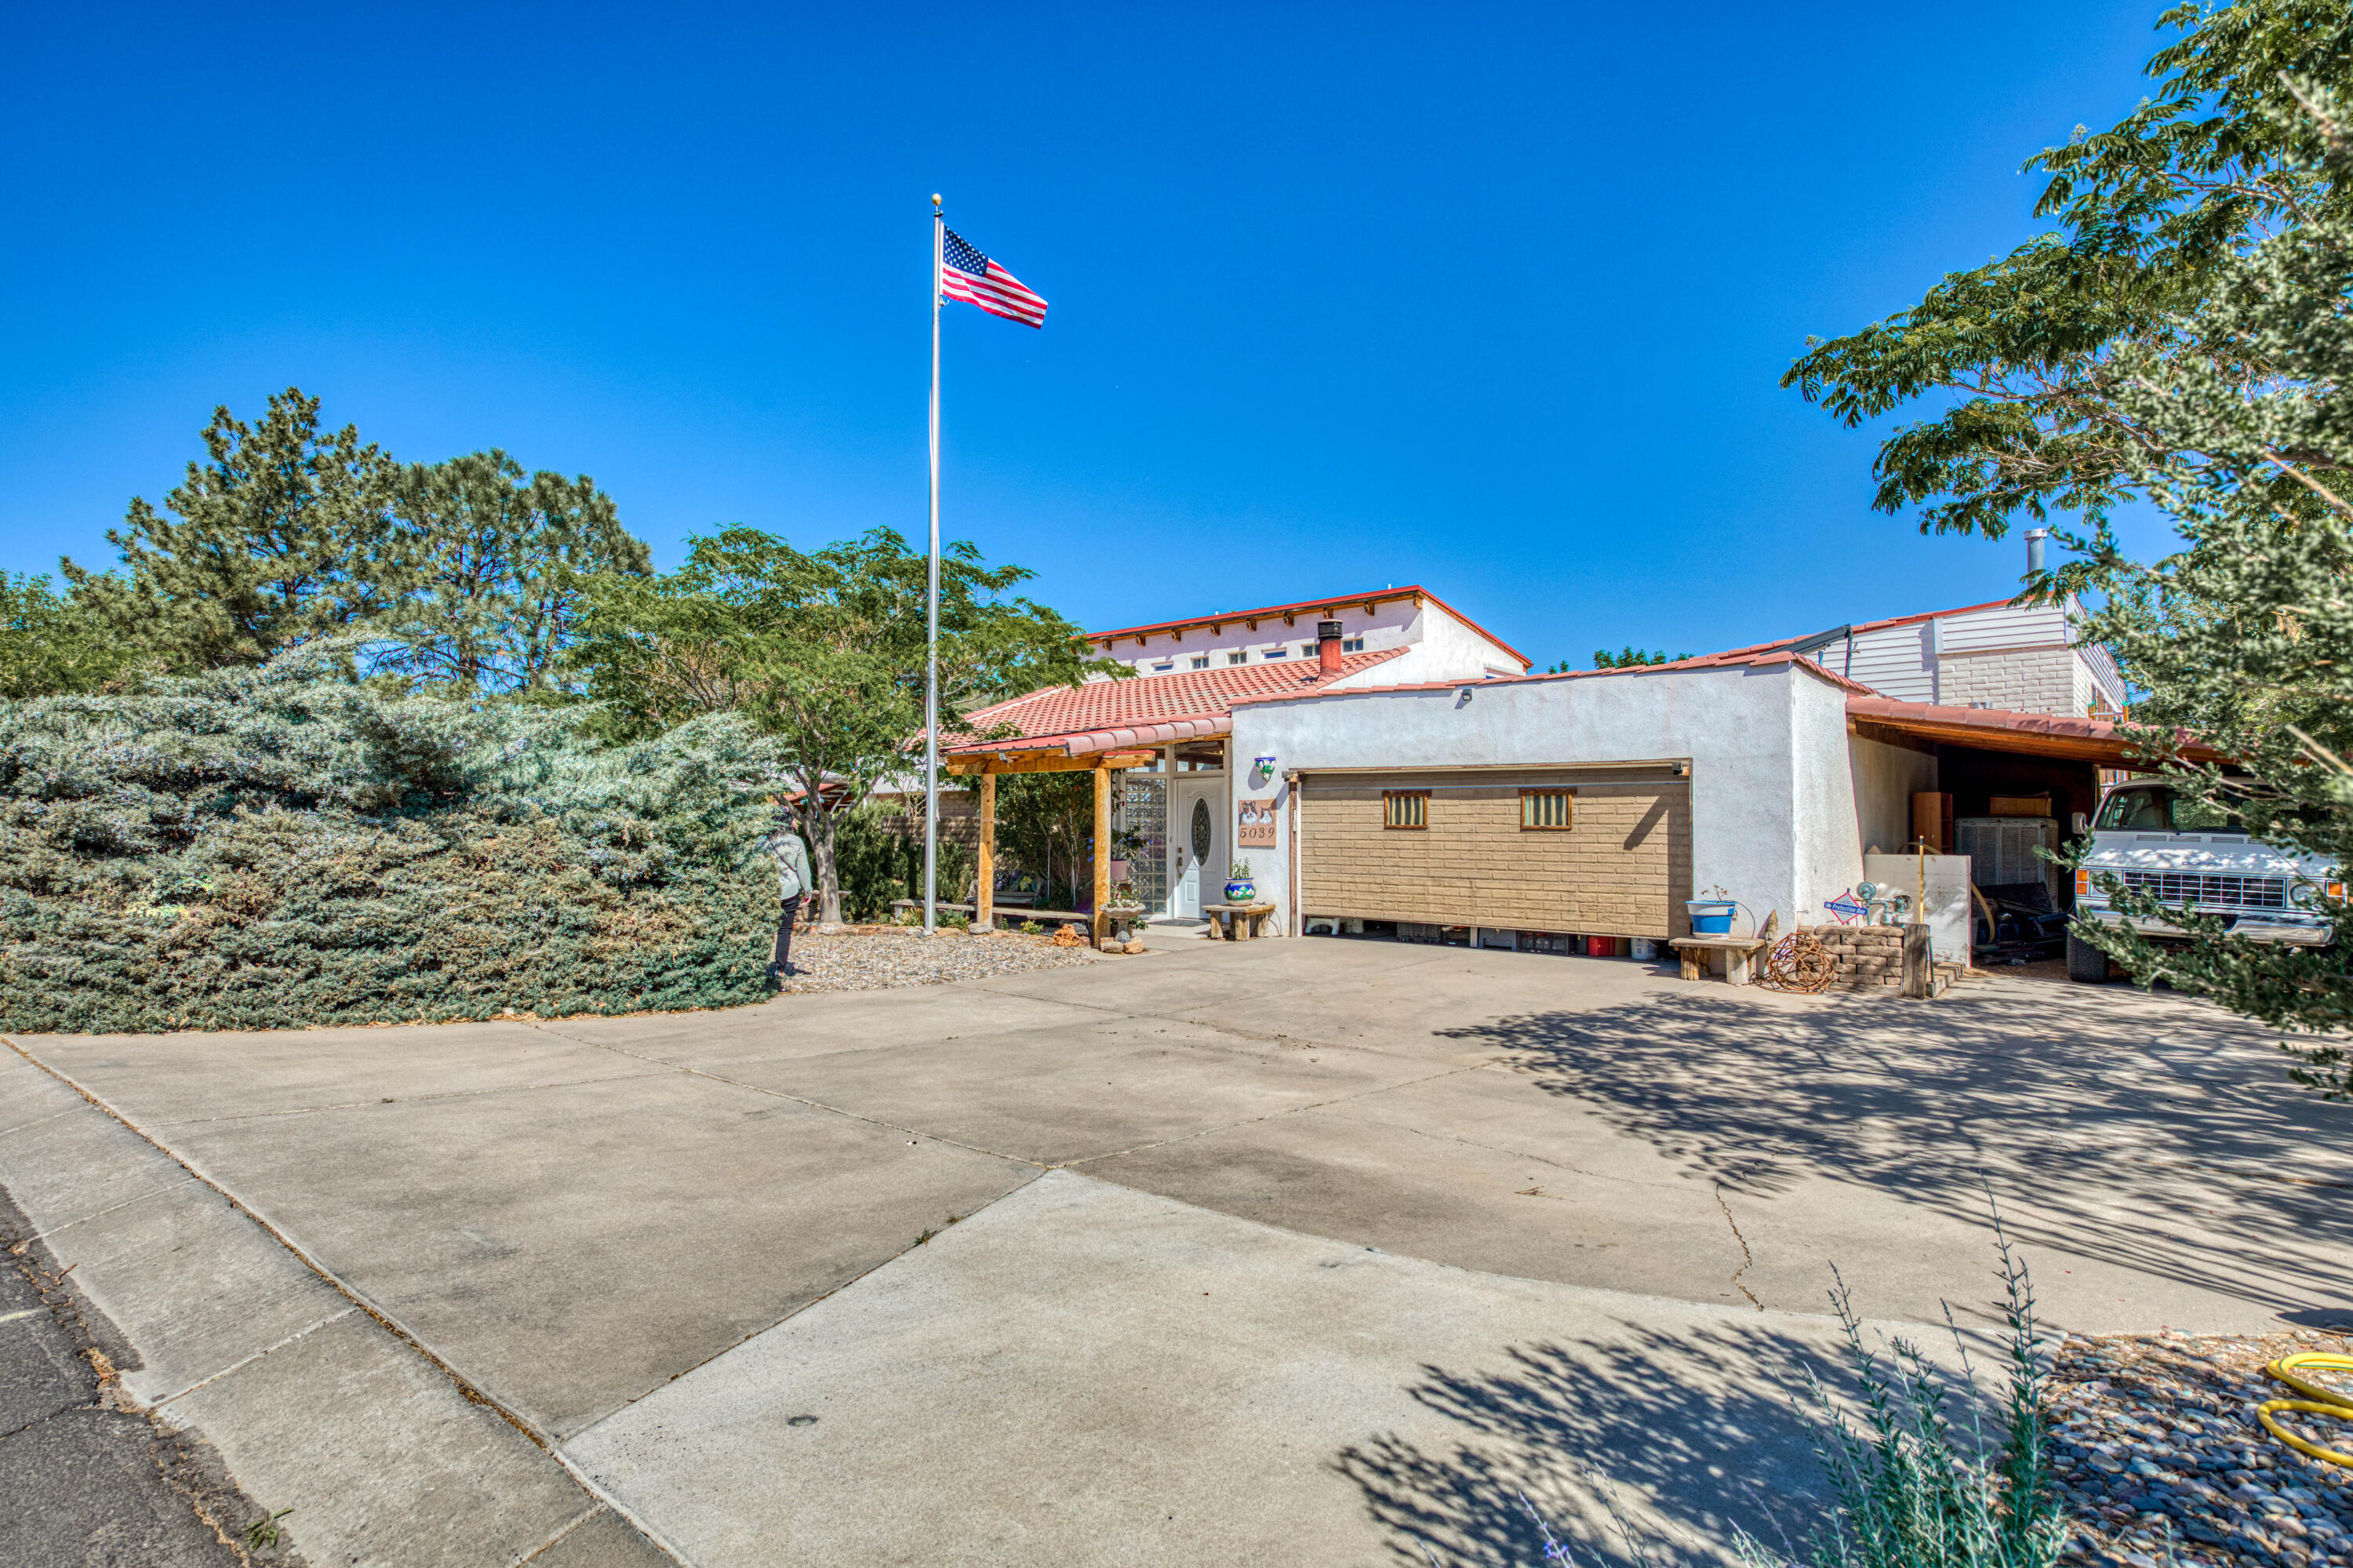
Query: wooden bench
{"x":1236,"y":922}
{"x":1005,"y":916}
{"x":1740,"y":956}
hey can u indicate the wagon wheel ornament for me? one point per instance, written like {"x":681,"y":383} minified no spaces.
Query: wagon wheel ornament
{"x":1799,"y":963}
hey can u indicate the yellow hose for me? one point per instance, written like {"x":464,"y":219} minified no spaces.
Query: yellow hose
{"x":2318,"y":1400}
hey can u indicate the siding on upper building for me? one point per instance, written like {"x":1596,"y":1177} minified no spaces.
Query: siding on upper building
{"x":1998,"y":657}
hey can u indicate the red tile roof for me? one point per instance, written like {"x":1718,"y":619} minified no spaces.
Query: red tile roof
{"x":1307,"y":607}
{"x":1122,"y":712}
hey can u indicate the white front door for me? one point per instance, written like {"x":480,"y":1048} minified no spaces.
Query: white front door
{"x":1194,"y":841}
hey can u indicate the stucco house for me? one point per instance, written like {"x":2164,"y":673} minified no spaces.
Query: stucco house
{"x":1383,"y":761}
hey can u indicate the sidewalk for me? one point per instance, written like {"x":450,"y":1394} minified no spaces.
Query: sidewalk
{"x":307,"y":1393}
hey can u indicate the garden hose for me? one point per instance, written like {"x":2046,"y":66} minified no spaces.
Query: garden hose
{"x":2318,"y":1400}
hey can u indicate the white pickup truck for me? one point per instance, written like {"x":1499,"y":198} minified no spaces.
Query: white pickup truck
{"x":2188,"y":852}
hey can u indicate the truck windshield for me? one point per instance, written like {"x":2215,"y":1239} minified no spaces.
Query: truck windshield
{"x":2156,"y":810}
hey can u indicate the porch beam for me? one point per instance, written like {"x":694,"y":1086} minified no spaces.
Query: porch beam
{"x":1048,"y":762}
{"x":984,"y":894}
{"x":1102,"y":854}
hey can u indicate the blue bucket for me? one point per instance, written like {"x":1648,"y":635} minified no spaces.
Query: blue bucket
{"x":1710,"y":917}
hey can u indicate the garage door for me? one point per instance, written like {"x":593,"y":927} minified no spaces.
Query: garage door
{"x":1596,"y":851}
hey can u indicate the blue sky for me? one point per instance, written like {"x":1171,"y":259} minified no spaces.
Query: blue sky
{"x":1492,"y":297}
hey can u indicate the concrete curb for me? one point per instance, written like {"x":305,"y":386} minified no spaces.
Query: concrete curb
{"x":316,"y":1399}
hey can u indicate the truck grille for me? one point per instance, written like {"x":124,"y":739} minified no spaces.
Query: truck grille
{"x":2211,"y":892}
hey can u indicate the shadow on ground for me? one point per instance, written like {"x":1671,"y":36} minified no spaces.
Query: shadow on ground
{"x":2154,"y":1133}
{"x":1602,"y":1439}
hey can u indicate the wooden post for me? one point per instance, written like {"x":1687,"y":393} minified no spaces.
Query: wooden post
{"x":983,"y":913}
{"x":1916,"y":969}
{"x":1103,"y":853}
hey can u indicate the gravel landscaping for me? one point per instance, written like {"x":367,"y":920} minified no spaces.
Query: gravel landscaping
{"x":881,"y":960}
{"x":2159,"y":1457}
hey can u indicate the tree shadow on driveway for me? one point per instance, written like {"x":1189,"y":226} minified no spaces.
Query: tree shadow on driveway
{"x":1683,"y":1436}
{"x":2154,"y":1133}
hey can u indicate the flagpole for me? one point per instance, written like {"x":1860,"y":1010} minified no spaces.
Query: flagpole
{"x":932,"y":613}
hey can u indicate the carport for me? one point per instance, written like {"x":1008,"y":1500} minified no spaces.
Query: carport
{"x":1984,"y":753}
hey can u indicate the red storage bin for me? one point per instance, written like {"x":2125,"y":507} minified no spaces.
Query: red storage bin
{"x":1600,"y":946}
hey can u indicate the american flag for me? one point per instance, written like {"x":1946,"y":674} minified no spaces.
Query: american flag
{"x":965,"y":274}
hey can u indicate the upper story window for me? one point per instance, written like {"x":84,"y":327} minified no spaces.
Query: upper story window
{"x":1276,"y":653}
{"x":1201,"y":660}
{"x":1237,"y":658}
{"x":1351,"y":645}
{"x":1164,"y":665}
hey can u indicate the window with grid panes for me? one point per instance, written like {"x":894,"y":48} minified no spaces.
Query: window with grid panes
{"x":1405,"y":808}
{"x":1543,"y":810}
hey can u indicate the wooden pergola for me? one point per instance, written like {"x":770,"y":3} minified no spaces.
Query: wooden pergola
{"x":988,"y":764}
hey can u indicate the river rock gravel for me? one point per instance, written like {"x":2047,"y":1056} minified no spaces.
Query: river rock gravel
{"x":2159,"y":1458}
{"x":881,"y":960}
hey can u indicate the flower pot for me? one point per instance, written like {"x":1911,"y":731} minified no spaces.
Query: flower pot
{"x":1241,"y":890}
{"x":1711,"y":916}
{"x":1119,"y":871}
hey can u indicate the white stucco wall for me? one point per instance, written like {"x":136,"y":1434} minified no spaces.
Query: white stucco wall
{"x":1441,"y":647}
{"x":1773,"y":796}
{"x":1885,"y":778}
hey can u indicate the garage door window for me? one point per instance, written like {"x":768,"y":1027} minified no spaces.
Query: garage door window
{"x":1405,"y":808}
{"x":1546,"y":810}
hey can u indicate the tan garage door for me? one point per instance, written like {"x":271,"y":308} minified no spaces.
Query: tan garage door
{"x":1600,"y":852}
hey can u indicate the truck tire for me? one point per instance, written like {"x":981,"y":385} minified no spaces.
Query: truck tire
{"x":2086,"y":963}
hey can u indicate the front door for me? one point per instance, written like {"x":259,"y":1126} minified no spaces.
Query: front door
{"x":1194,"y":852}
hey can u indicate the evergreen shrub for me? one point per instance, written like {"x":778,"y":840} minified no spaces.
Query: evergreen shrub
{"x":280,"y":846}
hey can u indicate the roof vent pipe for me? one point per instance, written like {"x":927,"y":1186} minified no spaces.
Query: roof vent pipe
{"x":2034,"y":538}
{"x":1327,"y":647}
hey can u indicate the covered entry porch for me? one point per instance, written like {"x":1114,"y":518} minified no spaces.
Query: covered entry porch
{"x":1161,"y":801}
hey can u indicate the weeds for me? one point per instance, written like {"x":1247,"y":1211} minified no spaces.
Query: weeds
{"x":263,"y":1532}
{"x":1915,"y":1487}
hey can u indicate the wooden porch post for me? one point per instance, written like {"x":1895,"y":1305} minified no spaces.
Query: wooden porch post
{"x":985,"y":895}
{"x":1103,"y":853}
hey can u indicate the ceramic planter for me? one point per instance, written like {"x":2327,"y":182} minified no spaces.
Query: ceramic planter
{"x":1241,"y":890}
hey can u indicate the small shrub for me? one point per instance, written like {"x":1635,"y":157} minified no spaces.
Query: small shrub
{"x":1917,"y":1489}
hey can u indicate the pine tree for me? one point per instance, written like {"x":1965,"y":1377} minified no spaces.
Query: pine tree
{"x":281,"y":535}
{"x":496,"y":566}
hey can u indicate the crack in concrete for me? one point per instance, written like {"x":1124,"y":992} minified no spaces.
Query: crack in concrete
{"x":1747,"y":1259}
{"x":1522,"y":1154}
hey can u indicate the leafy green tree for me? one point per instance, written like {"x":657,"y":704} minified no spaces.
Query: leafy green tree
{"x":53,"y":643}
{"x":280,"y":535}
{"x":2241,"y":642}
{"x":495,"y":567}
{"x":824,"y":651}
{"x":2025,"y":359}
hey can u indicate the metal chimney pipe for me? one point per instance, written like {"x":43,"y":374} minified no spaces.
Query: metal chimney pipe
{"x":1327,"y":647}
{"x":2034,"y":538}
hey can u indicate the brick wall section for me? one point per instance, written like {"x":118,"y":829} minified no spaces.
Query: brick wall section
{"x":1622,"y":868}
{"x":1871,"y":957}
{"x":2023,"y":680}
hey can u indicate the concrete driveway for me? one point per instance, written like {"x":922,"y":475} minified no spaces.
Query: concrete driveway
{"x":1286,"y":1252}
